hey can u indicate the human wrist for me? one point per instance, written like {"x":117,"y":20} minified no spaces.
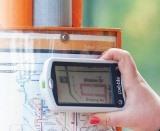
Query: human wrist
{"x":156,"y":117}
{"x":152,"y":119}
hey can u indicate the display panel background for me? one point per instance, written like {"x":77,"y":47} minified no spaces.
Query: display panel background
{"x":84,"y":85}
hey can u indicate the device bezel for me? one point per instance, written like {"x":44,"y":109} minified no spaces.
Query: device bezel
{"x":117,"y":95}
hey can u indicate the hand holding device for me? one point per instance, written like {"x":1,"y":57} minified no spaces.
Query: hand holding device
{"x":142,"y":108}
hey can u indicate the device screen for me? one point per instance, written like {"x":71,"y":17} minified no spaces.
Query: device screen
{"x":84,"y":84}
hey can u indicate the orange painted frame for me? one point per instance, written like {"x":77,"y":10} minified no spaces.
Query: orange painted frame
{"x":77,"y":9}
{"x":76,"y":30}
{"x":16,"y":13}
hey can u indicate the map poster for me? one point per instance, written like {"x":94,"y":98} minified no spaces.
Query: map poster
{"x":22,"y":56}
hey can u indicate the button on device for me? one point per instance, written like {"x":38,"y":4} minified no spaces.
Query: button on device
{"x":120,"y":102}
{"x":50,"y":83}
{"x":42,"y":84}
{"x":117,"y":69}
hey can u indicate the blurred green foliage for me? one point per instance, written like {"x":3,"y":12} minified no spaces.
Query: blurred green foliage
{"x":140,"y":24}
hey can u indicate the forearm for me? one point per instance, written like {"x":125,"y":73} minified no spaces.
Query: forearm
{"x":155,"y":119}
{"x":149,"y":110}
{"x":152,"y":120}
{"x":155,"y":113}
{"x":154,"y":104}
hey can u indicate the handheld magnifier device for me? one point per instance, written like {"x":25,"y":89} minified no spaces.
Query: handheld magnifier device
{"x":82,"y":85}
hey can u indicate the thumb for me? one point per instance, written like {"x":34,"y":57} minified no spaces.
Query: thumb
{"x":125,"y":61}
{"x":126,"y":64}
{"x":107,"y":119}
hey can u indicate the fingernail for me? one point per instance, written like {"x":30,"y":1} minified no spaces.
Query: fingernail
{"x":94,"y":120}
